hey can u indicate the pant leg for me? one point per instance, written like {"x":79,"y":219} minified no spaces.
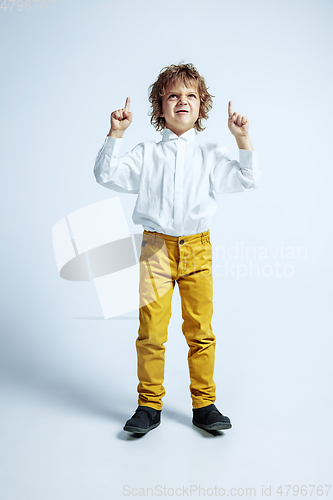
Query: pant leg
{"x":156,"y":290}
{"x":196,"y":291}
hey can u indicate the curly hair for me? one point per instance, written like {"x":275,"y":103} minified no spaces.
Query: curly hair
{"x":188,"y":74}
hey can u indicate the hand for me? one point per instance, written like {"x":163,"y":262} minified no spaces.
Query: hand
{"x":238,"y":124}
{"x":121,"y":119}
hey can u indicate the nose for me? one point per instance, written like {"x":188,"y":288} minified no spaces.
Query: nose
{"x":182,"y":100}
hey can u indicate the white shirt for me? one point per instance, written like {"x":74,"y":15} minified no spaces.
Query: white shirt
{"x":176,"y":179}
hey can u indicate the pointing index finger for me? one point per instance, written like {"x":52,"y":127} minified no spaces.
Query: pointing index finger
{"x":127,"y":104}
{"x":230,"y":109}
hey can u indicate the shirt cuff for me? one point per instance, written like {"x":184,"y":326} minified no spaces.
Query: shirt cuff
{"x":112,"y":146}
{"x":246,"y":156}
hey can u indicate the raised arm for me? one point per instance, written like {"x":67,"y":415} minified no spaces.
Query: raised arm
{"x":228,"y":175}
{"x":231,"y":176}
{"x":120,"y":173}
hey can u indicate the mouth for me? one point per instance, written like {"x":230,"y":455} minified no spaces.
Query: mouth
{"x":181,"y":111}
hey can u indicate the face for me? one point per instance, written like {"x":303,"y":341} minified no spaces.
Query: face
{"x":181,"y":107}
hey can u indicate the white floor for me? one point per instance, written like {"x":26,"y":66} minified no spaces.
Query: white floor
{"x":62,"y":418}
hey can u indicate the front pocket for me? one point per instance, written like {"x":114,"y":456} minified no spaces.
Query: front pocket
{"x":208,"y":249}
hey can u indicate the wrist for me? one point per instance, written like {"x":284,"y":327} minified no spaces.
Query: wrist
{"x":244,"y":142}
{"x":115,"y":133}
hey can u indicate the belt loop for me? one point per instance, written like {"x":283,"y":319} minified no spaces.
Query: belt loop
{"x":205,"y":237}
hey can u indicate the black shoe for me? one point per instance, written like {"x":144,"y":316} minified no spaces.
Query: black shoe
{"x":144,"y":419}
{"x":210,"y":419}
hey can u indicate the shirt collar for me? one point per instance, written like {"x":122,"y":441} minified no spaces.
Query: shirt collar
{"x":188,"y":136}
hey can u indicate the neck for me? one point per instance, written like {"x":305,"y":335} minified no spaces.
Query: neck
{"x":178,"y":132}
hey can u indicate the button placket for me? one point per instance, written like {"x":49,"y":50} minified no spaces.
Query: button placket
{"x":179,"y":174}
{"x":183,"y":256}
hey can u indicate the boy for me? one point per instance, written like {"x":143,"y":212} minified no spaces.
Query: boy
{"x":176,"y":180}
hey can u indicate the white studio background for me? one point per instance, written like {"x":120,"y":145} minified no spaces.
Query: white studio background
{"x":69,"y":376}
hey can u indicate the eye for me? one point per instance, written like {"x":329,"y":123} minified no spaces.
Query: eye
{"x":172,"y":95}
{"x":193,"y":95}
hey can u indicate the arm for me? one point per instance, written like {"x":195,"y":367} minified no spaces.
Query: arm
{"x":114,"y":172}
{"x":120,"y":173}
{"x":231,"y":175}
{"x":244,"y":143}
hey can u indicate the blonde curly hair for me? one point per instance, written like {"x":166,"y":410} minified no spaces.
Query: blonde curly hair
{"x":188,"y":74}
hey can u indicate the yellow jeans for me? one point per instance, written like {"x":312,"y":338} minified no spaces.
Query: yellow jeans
{"x":165,"y":260}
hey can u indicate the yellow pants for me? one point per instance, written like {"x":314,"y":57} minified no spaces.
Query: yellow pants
{"x":165,"y":260}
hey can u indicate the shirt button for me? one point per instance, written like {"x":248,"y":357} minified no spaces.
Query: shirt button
{"x":182,"y":242}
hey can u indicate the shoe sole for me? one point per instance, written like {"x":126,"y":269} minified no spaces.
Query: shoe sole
{"x":217,"y":426}
{"x":140,"y":430}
